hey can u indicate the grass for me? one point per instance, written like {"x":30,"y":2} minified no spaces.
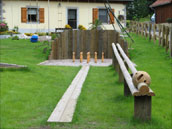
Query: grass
{"x":30,"y":96}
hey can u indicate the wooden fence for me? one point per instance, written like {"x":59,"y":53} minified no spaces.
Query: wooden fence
{"x":153,"y":32}
{"x":85,"y":41}
{"x":141,"y":92}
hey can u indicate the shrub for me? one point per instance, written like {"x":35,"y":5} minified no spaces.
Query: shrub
{"x":40,"y":33}
{"x":28,"y":34}
{"x":15,"y":38}
{"x":81,"y":27}
{"x":68,"y":26}
{"x":3,"y":26}
{"x":169,"y":20}
{"x":53,"y":36}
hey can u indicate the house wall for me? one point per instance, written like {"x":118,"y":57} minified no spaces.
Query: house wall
{"x":57,"y":15}
{"x":163,"y":13}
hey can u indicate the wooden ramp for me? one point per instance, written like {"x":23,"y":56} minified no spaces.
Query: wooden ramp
{"x":64,"y":110}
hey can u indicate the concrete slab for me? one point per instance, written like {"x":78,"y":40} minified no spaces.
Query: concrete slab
{"x":68,"y":62}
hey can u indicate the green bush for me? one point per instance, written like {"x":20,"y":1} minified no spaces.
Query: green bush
{"x":15,"y":38}
{"x":53,"y":36}
{"x":169,"y":20}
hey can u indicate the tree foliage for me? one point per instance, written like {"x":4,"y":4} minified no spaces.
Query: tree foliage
{"x":139,"y":9}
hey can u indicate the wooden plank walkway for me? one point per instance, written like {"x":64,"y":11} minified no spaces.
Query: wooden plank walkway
{"x":64,"y":110}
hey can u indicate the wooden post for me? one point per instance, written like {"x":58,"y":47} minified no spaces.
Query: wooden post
{"x":88,"y":57}
{"x":154,"y":33}
{"x":170,"y":42}
{"x":150,"y":31}
{"x":167,"y":38}
{"x":95,"y":57}
{"x":160,"y":30}
{"x":163,"y":35}
{"x":102,"y":56}
{"x":142,"y":107}
{"x":142,"y":29}
{"x":126,"y":89}
{"x":73,"y":57}
{"x":81,"y":57}
{"x":146,"y":26}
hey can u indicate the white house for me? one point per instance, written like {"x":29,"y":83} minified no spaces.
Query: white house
{"x":46,"y":15}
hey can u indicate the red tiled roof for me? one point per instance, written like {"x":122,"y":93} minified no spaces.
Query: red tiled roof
{"x":160,"y":3}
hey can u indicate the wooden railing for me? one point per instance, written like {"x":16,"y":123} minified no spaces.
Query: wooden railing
{"x":141,"y":91}
{"x":153,"y":32}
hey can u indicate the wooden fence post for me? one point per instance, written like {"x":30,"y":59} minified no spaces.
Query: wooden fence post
{"x":150,"y":31}
{"x":167,"y":38}
{"x":163,"y":35}
{"x":170,"y":42}
{"x":142,"y":107}
{"x":154,"y":33}
{"x":160,"y":30}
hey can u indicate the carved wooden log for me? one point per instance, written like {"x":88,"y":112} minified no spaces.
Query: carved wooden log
{"x":143,"y":88}
{"x":81,"y":57}
{"x":102,"y":56}
{"x":73,"y":57}
{"x":95,"y":57}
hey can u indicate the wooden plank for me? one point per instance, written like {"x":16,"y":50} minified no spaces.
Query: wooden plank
{"x":88,"y":43}
{"x":66,"y":47}
{"x":70,"y":43}
{"x":84,"y":43}
{"x":78,"y":45}
{"x":100,"y":43}
{"x":105,"y":44}
{"x":60,"y":54}
{"x":65,"y":108}
{"x":111,"y":40}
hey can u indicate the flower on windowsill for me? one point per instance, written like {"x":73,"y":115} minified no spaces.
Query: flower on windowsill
{"x":68,"y":26}
{"x":81,"y":27}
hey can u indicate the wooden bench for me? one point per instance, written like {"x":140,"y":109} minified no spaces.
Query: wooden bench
{"x":142,"y":101}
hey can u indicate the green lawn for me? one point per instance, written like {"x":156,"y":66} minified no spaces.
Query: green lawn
{"x":29,"y":96}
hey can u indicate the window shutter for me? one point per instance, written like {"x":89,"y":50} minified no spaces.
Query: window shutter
{"x":23,"y":15}
{"x":112,"y":21}
{"x":95,"y":14}
{"x":41,"y":15}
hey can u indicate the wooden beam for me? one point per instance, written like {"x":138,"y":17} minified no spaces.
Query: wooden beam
{"x":126,"y":75}
{"x":142,"y":107}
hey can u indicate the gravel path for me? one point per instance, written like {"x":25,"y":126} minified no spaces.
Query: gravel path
{"x":68,"y":62}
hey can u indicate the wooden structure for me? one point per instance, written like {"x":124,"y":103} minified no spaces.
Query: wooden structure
{"x":163,"y":9}
{"x":154,"y":32}
{"x":84,"y":41}
{"x":142,"y":99}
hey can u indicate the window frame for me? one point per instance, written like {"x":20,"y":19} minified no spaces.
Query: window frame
{"x":106,"y":13}
{"x":35,"y":7}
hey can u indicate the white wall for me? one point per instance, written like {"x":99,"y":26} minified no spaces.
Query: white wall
{"x":58,"y":15}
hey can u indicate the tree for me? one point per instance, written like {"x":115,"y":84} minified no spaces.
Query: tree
{"x":139,"y":9}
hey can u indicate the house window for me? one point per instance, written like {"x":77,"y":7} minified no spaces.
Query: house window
{"x":103,"y":16}
{"x":72,"y":18}
{"x":32,"y":14}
